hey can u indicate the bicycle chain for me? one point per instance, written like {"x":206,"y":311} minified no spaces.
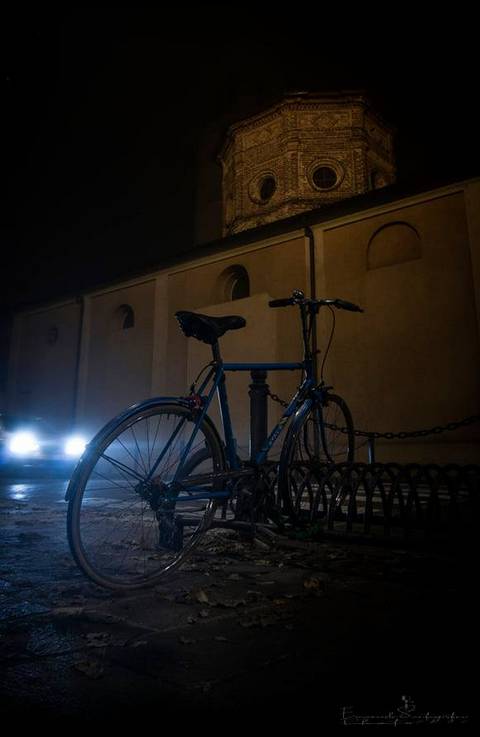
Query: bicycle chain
{"x":392,"y":435}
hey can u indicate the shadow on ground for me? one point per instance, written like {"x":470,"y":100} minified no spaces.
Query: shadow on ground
{"x":290,"y":630}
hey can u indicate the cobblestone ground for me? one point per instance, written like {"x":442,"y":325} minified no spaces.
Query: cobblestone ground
{"x":292,"y":630}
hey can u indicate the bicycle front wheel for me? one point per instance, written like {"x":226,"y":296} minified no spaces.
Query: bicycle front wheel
{"x":325,"y":435}
{"x":125,"y":529}
{"x":338,"y":438}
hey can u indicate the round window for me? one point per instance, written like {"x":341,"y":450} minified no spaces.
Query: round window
{"x":324,"y":177}
{"x":267,"y":188}
{"x":378,"y":179}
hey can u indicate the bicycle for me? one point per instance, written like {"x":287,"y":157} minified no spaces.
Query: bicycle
{"x":148,"y":485}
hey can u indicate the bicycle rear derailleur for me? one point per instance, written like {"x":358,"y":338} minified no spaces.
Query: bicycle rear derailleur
{"x":170,"y":525}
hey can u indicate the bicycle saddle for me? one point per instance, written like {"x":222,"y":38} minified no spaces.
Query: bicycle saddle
{"x":205,"y":328}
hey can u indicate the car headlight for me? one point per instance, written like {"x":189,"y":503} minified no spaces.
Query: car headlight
{"x":23,"y":443}
{"x":74,"y":446}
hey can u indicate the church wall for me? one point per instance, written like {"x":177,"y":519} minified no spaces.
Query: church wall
{"x":472,"y":203}
{"x":160,"y":336}
{"x":259,"y":341}
{"x":274,"y":271}
{"x":42,"y":372}
{"x":117,"y":361}
{"x":412,"y":360}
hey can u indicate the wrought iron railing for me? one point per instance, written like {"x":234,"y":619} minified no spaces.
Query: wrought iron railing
{"x":386,"y":498}
{"x":372,"y":499}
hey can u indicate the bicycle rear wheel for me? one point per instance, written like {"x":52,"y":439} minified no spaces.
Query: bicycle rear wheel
{"x":125,"y":529}
{"x":325,"y":435}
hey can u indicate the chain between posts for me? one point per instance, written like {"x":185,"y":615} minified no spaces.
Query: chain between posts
{"x":392,"y":435}
{"x":276,"y":398}
{"x":412,"y":433}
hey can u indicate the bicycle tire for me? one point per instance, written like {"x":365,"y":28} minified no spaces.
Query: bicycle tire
{"x":312,"y":442}
{"x":339,"y":441}
{"x":122,"y":533}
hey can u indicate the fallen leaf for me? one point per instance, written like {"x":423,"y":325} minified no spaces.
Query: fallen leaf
{"x":186,"y":641}
{"x":267,"y":621}
{"x":200,"y":595}
{"x":67,"y":611}
{"x":98,"y":639}
{"x":89,"y":668}
{"x":231,"y":603}
{"x":313,"y":583}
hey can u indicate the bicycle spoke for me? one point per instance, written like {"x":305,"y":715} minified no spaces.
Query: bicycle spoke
{"x":125,"y":529}
{"x":122,"y":467}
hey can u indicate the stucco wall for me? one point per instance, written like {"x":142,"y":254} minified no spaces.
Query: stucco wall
{"x":413,"y":359}
{"x":274,"y":270}
{"x":119,"y":361}
{"x":42,"y":379}
{"x":472,"y":203}
{"x":260,"y":340}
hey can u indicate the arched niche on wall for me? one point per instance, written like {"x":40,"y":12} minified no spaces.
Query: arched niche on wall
{"x":393,"y":243}
{"x":233,"y":284}
{"x":124,"y":317}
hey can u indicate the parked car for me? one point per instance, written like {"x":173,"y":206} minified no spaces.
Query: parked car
{"x":32,"y":442}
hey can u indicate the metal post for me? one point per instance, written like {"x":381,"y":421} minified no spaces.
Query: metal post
{"x":258,"y":412}
{"x":371,"y":449}
{"x":313,"y":295}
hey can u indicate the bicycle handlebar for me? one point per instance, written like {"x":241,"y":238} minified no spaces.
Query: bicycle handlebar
{"x":342,"y":304}
{"x":282,"y":302}
{"x":299,"y":298}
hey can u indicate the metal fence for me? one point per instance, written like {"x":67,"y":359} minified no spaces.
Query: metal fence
{"x":389,"y":500}
{"x":386,"y":499}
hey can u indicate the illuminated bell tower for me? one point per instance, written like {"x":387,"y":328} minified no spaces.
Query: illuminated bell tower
{"x":307,"y":151}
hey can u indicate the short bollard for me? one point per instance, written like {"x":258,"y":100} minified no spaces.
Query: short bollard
{"x":258,"y":412}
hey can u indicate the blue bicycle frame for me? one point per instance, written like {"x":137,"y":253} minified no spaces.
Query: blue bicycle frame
{"x":216,"y":376}
{"x":308,"y":394}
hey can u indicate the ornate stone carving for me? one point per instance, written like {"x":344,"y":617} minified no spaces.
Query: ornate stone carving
{"x":329,"y":120}
{"x":338,"y":134}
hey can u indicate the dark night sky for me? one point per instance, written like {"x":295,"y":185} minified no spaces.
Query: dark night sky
{"x":104,"y":111}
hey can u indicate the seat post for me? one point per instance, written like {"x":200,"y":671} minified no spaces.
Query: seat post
{"x":216,"y":352}
{"x":230,"y":441}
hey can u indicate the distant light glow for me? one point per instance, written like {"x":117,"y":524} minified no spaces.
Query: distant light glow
{"x":75,"y":446}
{"x":20,"y":492}
{"x":23,"y":443}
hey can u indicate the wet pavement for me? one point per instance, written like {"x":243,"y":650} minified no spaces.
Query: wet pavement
{"x":290,"y":630}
